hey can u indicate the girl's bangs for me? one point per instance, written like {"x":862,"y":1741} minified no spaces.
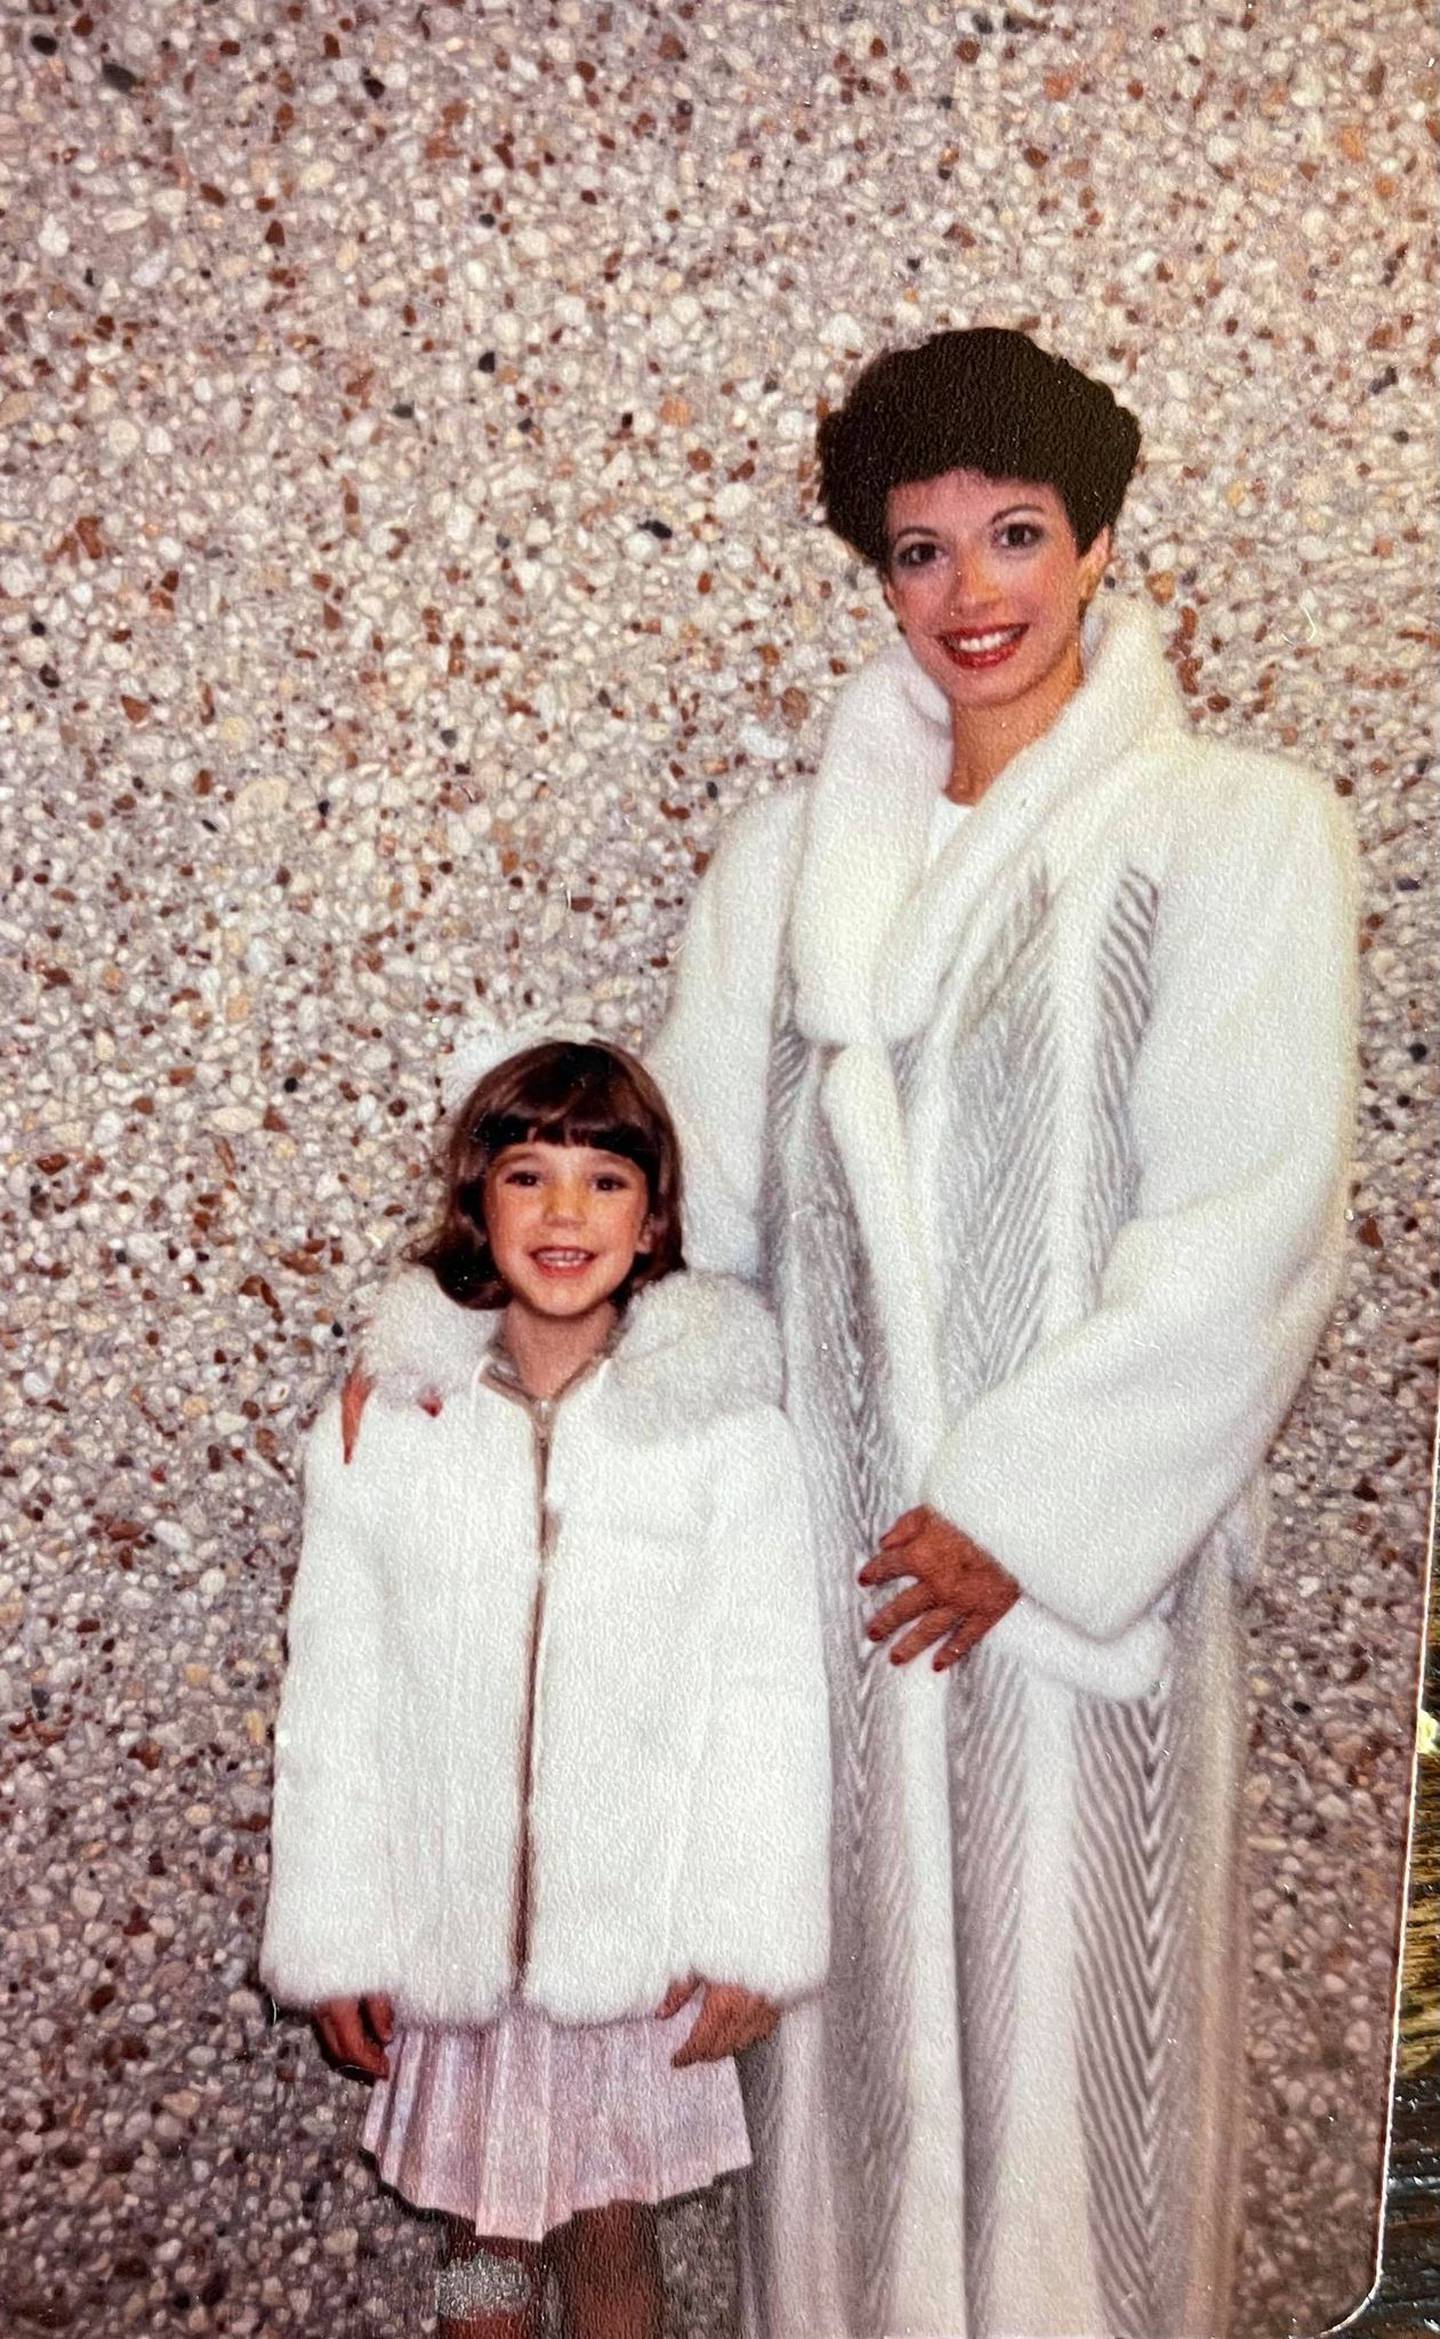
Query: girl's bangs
{"x":582,"y":1124}
{"x":573,"y":1096}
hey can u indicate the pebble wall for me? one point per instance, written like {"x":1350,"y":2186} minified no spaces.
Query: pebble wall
{"x":408,"y":560}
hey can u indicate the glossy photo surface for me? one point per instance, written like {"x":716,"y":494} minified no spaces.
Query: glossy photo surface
{"x":410,"y":563}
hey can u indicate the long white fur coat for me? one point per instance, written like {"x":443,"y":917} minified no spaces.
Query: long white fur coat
{"x":680,"y":1773}
{"x":1040,"y":1151}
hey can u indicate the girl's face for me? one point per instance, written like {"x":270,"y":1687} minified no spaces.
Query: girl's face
{"x":564,"y":1224}
{"x":988,"y":586}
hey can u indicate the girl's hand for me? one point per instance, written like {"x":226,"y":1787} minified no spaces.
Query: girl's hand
{"x":958,"y":1594}
{"x":679,"y":1994}
{"x":355,"y":2033}
{"x":729,"y":2020}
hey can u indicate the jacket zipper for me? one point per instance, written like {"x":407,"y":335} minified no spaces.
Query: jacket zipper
{"x":542,"y":1427}
{"x":541,"y":1413}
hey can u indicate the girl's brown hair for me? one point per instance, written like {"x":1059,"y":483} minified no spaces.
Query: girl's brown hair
{"x":563,"y":1092}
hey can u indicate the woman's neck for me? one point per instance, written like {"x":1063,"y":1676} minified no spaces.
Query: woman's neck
{"x":548,"y":1351}
{"x":983,"y":740}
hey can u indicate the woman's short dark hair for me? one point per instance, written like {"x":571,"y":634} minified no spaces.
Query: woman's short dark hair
{"x":986,"y":400}
{"x":562,"y":1092}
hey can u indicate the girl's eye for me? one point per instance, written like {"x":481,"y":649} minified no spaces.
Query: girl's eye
{"x":1019,"y":535}
{"x":521,"y":1177}
{"x":609,"y":1182}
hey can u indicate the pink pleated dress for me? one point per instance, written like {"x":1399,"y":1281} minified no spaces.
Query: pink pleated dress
{"x":516,"y":2127}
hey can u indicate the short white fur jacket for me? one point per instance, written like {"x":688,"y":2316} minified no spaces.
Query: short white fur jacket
{"x":678,"y":1809}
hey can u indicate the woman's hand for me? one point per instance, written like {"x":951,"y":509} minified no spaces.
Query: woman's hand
{"x":354,"y":1392}
{"x":729,"y":2019}
{"x":958,"y":1594}
{"x":355,"y":2033}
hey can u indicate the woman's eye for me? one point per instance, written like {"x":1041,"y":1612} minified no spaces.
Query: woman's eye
{"x":915,"y":556}
{"x":1019,"y":535}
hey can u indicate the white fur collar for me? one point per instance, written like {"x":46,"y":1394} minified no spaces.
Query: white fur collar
{"x":691,"y":1346}
{"x":874,"y":931}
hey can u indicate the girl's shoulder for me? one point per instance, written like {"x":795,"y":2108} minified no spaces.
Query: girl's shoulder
{"x":416,"y":1351}
{"x":414,"y":1338}
{"x":696,"y":1350}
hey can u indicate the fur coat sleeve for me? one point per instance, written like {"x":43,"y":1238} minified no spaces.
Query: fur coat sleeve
{"x":753,"y":1902}
{"x":711,"y":1053}
{"x":327,"y":1932}
{"x":1096,"y":1469}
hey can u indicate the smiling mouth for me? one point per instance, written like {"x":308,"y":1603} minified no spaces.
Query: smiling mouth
{"x":562,"y":1262}
{"x":983,"y":649}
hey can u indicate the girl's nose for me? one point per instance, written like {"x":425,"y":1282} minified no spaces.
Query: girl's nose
{"x":564,"y":1203}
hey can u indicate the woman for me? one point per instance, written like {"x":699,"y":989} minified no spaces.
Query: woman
{"x":1014,"y":1057}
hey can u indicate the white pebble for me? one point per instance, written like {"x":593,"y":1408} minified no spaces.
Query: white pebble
{"x":262,"y":799}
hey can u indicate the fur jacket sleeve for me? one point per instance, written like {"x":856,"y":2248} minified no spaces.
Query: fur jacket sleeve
{"x":1097,"y":1467}
{"x":711,"y":1054}
{"x":328,"y":1932}
{"x":764,"y":1766}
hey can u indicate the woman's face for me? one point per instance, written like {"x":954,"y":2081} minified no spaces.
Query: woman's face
{"x":986,"y":581}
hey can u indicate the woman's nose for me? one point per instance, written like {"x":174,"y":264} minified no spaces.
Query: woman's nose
{"x":971,"y":583}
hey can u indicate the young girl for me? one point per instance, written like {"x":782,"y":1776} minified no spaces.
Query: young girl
{"x":551,"y":1781}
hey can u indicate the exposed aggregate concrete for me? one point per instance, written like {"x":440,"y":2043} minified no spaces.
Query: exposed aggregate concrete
{"x":407,"y":561}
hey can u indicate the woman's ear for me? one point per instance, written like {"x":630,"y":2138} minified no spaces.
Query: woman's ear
{"x":1094,"y":561}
